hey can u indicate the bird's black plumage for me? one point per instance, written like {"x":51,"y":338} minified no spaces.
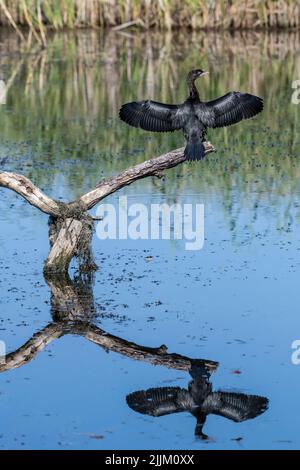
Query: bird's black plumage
{"x":193,"y":116}
{"x":199,"y":399}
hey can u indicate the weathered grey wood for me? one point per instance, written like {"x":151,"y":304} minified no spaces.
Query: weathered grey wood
{"x":64,"y":246}
{"x":25,"y":188}
{"x":152,"y":167}
{"x":66,"y":242}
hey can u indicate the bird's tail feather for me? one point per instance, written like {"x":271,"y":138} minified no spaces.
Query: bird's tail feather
{"x":194,"y":151}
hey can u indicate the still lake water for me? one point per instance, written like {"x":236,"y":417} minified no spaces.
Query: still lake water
{"x":236,"y":301}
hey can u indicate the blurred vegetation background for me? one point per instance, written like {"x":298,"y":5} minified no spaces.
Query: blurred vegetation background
{"x":60,"y":124}
{"x":62,"y":100}
{"x":165,"y":14}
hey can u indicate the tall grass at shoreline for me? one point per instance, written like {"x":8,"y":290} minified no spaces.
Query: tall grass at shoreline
{"x":164,"y":14}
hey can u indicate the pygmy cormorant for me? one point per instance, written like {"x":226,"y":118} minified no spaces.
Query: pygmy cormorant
{"x":193,"y":116}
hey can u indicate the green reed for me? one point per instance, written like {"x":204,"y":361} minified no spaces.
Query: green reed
{"x":194,"y":14}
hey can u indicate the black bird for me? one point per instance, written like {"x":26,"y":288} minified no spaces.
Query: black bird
{"x":199,"y":399}
{"x":193,"y":116}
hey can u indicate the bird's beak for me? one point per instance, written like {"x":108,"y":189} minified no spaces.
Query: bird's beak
{"x":204,"y":73}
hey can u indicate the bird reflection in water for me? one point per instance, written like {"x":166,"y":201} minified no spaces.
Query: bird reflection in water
{"x":73,"y":311}
{"x":199,"y":399}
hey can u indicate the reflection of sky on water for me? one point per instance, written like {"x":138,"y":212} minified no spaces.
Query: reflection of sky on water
{"x":235,"y":301}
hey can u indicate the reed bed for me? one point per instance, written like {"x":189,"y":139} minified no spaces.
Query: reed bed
{"x":164,"y":14}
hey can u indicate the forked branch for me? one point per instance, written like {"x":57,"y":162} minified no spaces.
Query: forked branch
{"x":155,"y":356}
{"x":75,"y":223}
{"x":35,"y":196}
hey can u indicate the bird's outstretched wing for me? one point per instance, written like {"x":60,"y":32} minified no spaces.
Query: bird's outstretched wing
{"x":153,"y":116}
{"x":160,"y":401}
{"x":235,"y":406}
{"x":229,"y":109}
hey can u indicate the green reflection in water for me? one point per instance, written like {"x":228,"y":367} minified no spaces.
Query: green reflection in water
{"x":61,"y":113}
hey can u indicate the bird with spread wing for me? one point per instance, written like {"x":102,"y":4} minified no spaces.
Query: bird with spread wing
{"x":199,"y":399}
{"x":193,"y":116}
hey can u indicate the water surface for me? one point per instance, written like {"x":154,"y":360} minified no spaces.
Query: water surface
{"x":235,"y":302}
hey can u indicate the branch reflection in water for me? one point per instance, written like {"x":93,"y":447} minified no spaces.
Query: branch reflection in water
{"x":73,"y":309}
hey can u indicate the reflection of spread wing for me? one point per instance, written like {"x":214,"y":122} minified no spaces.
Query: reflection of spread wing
{"x":229,"y":109}
{"x":160,"y":401}
{"x":235,"y":406}
{"x":152,"y":116}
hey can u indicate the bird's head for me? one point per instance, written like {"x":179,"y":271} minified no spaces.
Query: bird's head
{"x":194,"y":74}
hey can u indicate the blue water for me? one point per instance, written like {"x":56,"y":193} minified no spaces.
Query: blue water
{"x":234,"y":302}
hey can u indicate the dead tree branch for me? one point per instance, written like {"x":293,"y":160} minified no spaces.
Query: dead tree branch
{"x":152,"y":167}
{"x":25,"y":188}
{"x":31,"y":348}
{"x":73,"y":309}
{"x":70,"y":224}
{"x":154,"y":356}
